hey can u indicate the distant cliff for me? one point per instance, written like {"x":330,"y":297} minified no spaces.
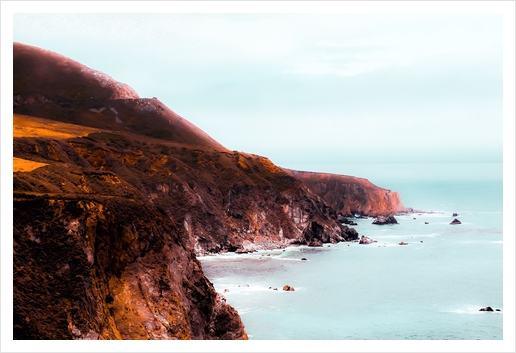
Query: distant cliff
{"x":115,"y":195}
{"x":350,"y":195}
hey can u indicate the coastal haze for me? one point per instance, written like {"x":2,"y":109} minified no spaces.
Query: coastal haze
{"x":248,"y":144}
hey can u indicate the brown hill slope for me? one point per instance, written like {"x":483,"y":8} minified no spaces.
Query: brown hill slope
{"x":41,"y":75}
{"x":49,"y":85}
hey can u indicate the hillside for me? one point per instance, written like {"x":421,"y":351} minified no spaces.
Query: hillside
{"x":49,"y":85}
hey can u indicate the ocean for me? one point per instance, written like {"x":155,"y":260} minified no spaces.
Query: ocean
{"x":430,"y":289}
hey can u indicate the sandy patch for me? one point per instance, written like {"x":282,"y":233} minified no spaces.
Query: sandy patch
{"x":24,"y":165}
{"x":28,"y":126}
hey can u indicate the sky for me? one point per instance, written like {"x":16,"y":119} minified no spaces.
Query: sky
{"x":306,"y":88}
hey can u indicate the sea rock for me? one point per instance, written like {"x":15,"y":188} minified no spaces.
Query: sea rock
{"x":402,"y":243}
{"x":342,"y":219}
{"x":455,"y":214}
{"x":304,"y":259}
{"x":366,"y":240}
{"x":288,"y":288}
{"x":497,"y":310}
{"x":455,"y":221}
{"x":487,"y":308}
{"x":426,"y":222}
{"x":385,"y":220}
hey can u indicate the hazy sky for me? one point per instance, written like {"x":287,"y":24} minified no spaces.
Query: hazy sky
{"x":306,"y":88}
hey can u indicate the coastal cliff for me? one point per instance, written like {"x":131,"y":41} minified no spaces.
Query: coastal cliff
{"x":104,"y":267}
{"x":115,"y":195}
{"x":349,"y":195}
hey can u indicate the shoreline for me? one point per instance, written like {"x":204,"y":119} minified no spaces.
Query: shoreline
{"x":250,"y":248}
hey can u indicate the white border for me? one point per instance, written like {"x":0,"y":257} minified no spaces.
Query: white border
{"x":507,"y":8}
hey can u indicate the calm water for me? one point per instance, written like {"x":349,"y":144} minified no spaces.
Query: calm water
{"x":430,"y":289}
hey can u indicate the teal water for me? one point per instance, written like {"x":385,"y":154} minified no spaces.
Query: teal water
{"x":430,"y":289}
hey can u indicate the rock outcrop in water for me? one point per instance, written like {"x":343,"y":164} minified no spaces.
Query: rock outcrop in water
{"x":385,"y":220}
{"x":455,"y":221}
{"x":115,"y":195}
{"x":366,"y":240}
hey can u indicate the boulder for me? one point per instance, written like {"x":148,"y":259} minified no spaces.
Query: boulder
{"x":487,"y":308}
{"x":385,"y":220}
{"x":345,"y":220}
{"x":342,"y":219}
{"x":402,"y":243}
{"x":455,"y":221}
{"x":366,"y":240}
{"x":455,"y":214}
{"x":288,"y":288}
{"x":304,"y":259}
{"x":426,"y":222}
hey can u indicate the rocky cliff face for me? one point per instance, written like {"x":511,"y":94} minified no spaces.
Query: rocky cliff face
{"x":115,"y":196}
{"x":224,"y":201}
{"x":106,"y":267}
